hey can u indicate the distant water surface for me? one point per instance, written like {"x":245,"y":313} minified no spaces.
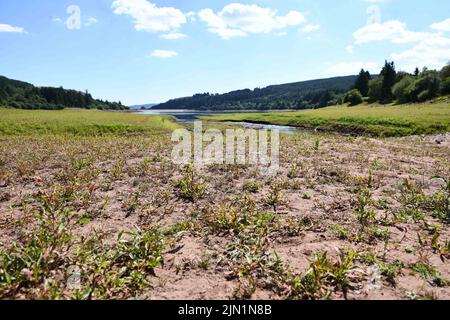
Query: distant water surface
{"x":189,"y":116}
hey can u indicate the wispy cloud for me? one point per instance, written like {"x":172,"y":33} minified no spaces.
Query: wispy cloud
{"x":90,"y":21}
{"x":443,"y":26}
{"x":163,"y":54}
{"x":173,"y":36}
{"x":310,"y":28}
{"x":11,"y":29}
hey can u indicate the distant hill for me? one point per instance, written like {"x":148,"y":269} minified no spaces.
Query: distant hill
{"x":298,"y":95}
{"x":143,"y":106}
{"x":23,"y":95}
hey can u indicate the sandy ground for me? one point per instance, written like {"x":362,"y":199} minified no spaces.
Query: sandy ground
{"x":126,"y":185}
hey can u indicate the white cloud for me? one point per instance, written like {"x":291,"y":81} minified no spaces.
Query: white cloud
{"x":429,"y":49}
{"x":433,"y":52}
{"x":353,"y":67}
{"x":148,"y":17}
{"x":164,"y":54}
{"x":394,"y":31}
{"x":173,"y":36}
{"x":11,"y":29}
{"x":310,"y":28}
{"x":350,"y":48}
{"x":90,"y":21}
{"x":238,"y":20}
{"x":442,"y":26}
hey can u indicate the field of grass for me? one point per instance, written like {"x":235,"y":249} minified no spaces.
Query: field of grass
{"x":81,"y":123}
{"x":373,"y":120}
{"x":92,"y":207}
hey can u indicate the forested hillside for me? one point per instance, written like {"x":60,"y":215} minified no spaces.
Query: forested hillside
{"x":22,"y":95}
{"x":299,"y":95}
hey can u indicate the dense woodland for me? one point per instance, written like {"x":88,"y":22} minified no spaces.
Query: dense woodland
{"x":400,"y":87}
{"x":299,"y":95}
{"x":22,"y":95}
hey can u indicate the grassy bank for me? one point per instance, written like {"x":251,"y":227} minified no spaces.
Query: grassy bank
{"x":81,"y":123}
{"x":374,"y":120}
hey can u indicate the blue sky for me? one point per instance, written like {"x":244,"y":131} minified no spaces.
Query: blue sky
{"x":142,"y":51}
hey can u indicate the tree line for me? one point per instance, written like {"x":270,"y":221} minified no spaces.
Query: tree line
{"x":299,"y":95}
{"x":22,"y":95}
{"x":398,"y":86}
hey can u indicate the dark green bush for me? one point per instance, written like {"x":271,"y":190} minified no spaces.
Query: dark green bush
{"x":354,"y":97}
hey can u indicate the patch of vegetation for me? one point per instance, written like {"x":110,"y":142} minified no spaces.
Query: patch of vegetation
{"x":84,"y":123}
{"x":364,"y":213}
{"x":353,"y":97}
{"x":429,"y":273}
{"x":251,"y":186}
{"x":374,"y":120}
{"x":191,"y":186}
{"x":324,"y":277}
{"x":391,"y":271}
{"x":416,"y":203}
{"x":38,"y":266}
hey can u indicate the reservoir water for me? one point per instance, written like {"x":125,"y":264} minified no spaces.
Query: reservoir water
{"x":189,"y":116}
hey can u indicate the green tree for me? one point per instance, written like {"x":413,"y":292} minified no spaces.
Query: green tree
{"x":353,"y":97}
{"x":88,"y":100}
{"x":375,"y":89}
{"x":401,"y":89}
{"x":389,"y":76}
{"x":445,"y":72}
{"x":445,"y":86}
{"x":325,"y":98}
{"x":426,"y":87}
{"x":362,"y":82}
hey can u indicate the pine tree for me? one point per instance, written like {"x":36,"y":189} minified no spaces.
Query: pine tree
{"x":362,"y":82}
{"x":88,"y":100}
{"x":389,"y":76}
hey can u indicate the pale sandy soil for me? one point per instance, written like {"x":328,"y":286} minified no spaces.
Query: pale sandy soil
{"x":312,"y":202}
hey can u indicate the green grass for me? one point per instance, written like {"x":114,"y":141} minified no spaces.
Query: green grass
{"x":81,"y":123}
{"x":373,"y":120}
